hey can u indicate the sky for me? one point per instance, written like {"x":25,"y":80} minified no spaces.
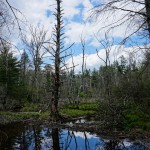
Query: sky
{"x":79,"y":21}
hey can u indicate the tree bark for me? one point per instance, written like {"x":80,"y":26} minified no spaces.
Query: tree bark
{"x":147,"y":6}
{"x":56,"y":77}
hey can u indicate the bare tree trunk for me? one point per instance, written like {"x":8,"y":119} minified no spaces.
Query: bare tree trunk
{"x":83,"y":63}
{"x":59,"y":54}
{"x":147,"y":6}
{"x":56,"y":76}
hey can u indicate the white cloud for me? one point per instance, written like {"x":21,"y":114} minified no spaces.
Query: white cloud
{"x":70,"y":8}
{"x":124,"y":24}
{"x":93,"y":61}
{"x":36,"y":13}
{"x":82,"y":135}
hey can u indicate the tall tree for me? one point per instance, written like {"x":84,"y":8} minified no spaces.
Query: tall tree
{"x":24,"y":64}
{"x":9,"y":73}
{"x":35,"y":48}
{"x":59,"y":54}
{"x":147,"y":6}
{"x":57,"y":61}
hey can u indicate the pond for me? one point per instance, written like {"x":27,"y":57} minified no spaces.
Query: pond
{"x":21,"y":136}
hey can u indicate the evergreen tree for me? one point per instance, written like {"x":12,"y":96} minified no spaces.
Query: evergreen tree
{"x":9,"y":73}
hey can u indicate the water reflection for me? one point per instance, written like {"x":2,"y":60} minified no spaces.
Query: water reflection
{"x":23,"y":137}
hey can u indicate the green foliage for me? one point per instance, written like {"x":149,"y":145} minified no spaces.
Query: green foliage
{"x":31,"y":107}
{"x":111,"y":115}
{"x":88,"y":106}
{"x":135,"y":118}
{"x":77,"y":112}
{"x":8,"y":117}
{"x":9,"y":70}
{"x":82,"y":106}
{"x":82,"y":109}
{"x":82,"y":94}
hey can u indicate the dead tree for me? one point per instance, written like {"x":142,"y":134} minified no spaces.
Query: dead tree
{"x":83,"y":63}
{"x":83,"y":68}
{"x":8,"y":20}
{"x":132,"y":11}
{"x":34,"y":46}
{"x":59,"y":54}
{"x":107,"y":80}
{"x":147,"y":6}
{"x":56,"y":75}
{"x":70,"y":83}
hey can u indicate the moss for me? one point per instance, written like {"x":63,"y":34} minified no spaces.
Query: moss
{"x":30,"y":107}
{"x":76,"y":113}
{"x":44,"y":115}
{"x":88,"y":106}
{"x":82,"y":109}
{"x":82,"y":106}
{"x":8,"y":117}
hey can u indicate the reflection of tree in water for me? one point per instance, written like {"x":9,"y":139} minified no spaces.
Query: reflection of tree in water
{"x":10,"y":134}
{"x":55,"y":137}
{"x":38,"y":137}
{"x":58,"y":141}
{"x":87,"y":146}
{"x":24,"y":143}
{"x":24,"y":137}
{"x":3,"y":137}
{"x":72,"y":137}
{"x":64,"y":143}
{"x":119,"y":145}
{"x":29,"y":137}
{"x":19,"y":136}
{"x":113,"y":145}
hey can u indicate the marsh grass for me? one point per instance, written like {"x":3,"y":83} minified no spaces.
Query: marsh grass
{"x":76,"y":110}
{"x":9,"y":117}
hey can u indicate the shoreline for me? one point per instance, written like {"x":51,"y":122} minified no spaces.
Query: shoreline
{"x":92,"y":127}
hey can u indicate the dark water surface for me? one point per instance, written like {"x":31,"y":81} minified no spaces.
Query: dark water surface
{"x":41,"y":137}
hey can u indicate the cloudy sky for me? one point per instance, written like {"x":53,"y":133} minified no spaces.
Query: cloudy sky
{"x":78,"y":23}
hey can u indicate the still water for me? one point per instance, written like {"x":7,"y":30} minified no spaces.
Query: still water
{"x":41,"y":137}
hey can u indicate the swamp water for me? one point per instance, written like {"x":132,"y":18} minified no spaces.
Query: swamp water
{"x":42,"y":137}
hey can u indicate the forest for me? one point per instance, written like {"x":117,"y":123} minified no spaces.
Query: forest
{"x":41,"y":81}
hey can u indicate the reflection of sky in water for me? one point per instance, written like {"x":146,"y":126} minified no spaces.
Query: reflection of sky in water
{"x":79,"y":140}
{"x":42,"y":138}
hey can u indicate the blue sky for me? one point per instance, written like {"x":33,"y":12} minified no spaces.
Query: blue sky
{"x":76,"y":14}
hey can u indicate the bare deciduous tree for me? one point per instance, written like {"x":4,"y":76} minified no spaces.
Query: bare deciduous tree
{"x":135,"y":14}
{"x":36,"y":50}
{"x":8,"y":20}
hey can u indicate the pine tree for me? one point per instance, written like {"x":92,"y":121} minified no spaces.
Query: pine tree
{"x":9,"y":73}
